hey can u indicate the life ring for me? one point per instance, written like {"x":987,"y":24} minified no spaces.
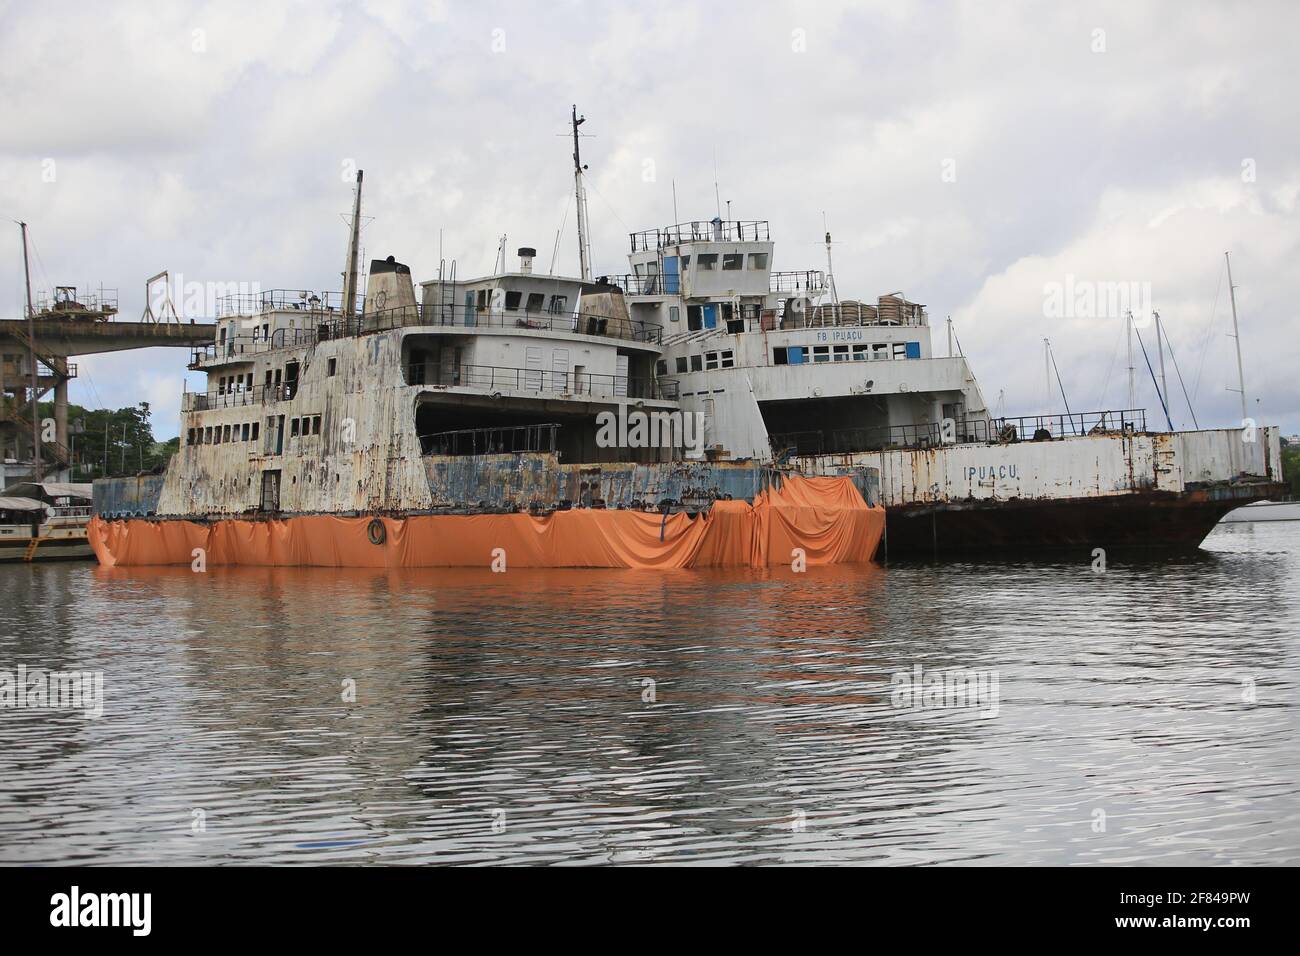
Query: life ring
{"x":376,"y":531}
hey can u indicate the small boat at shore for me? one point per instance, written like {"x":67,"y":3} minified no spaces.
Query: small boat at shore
{"x":45,"y":521}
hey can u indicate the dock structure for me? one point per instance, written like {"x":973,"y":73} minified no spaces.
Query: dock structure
{"x":60,"y":329}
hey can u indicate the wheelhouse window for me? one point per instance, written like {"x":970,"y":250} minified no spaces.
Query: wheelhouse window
{"x":697,"y":363}
{"x":758,"y":260}
{"x":535,"y":301}
{"x":681,"y":364}
{"x":707,"y":261}
{"x":512,"y":301}
{"x":694,"y":318}
{"x":559,"y":304}
{"x":733,"y":261}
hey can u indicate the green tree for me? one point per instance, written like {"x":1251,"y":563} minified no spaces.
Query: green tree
{"x":113,"y":443}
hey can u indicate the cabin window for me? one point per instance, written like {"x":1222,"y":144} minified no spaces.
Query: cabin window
{"x":243,"y":432}
{"x":256,"y":429}
{"x":225,"y":433}
{"x":841,"y":353}
{"x":728,"y":358}
{"x":711,"y":360}
{"x":189,"y":437}
{"x":686,"y":263}
{"x":900,"y":350}
{"x":559,"y":303}
{"x":880,"y":351}
{"x":707,"y":261}
{"x":207,"y":435}
{"x":758,"y":260}
{"x":535,"y":301}
{"x":694,"y":318}
{"x":779,"y":356}
{"x":293,"y":428}
{"x":674,"y":314}
{"x":481,"y":303}
{"x":661,"y":367}
{"x":512,"y":301}
{"x":332,"y":366}
{"x":821,"y":353}
{"x":733,"y":261}
{"x":315,"y":424}
{"x":860,"y":353}
{"x":681,"y":364}
{"x":697,"y":362}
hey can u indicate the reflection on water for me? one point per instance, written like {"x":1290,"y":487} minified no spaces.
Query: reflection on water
{"x":694,"y":716}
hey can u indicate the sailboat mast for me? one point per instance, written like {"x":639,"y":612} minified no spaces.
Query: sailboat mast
{"x":1160,"y":345}
{"x":31,"y":358}
{"x":1128,"y":319}
{"x":580,"y":197}
{"x":354,"y":241}
{"x":1236,"y":336}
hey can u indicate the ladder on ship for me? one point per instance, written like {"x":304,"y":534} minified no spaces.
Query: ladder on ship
{"x":30,"y":553}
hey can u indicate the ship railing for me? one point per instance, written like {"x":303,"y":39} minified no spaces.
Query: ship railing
{"x":582,"y":323}
{"x":958,"y":431}
{"x":240,"y":345}
{"x":284,"y":300}
{"x":840,"y":441}
{"x":73,"y":511}
{"x":237,"y":397}
{"x":500,"y":440}
{"x":808,"y":282}
{"x":495,"y":378}
{"x":700,"y":230}
{"x":1037,"y":427}
{"x":633,"y":284}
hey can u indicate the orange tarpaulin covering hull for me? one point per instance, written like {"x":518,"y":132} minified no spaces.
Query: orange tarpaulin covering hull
{"x":825,"y":517}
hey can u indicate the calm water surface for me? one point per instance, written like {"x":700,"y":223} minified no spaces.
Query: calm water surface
{"x":506,"y":717}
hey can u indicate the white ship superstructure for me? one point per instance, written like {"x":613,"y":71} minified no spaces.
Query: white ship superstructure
{"x":776,"y":364}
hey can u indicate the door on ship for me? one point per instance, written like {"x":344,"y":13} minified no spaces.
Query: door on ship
{"x":271,"y":490}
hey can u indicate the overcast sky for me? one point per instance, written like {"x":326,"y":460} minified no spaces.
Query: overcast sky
{"x":980,"y":157}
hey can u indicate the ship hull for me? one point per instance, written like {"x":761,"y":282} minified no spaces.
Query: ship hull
{"x":1140,"y":520}
{"x":806,"y":521}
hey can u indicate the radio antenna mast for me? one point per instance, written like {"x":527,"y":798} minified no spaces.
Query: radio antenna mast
{"x":580,"y":196}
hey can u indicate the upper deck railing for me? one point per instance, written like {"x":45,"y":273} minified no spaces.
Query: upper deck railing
{"x":978,"y":429}
{"x":701,"y":230}
{"x":806,"y":282}
{"x":321,"y":326}
{"x":284,"y":300}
